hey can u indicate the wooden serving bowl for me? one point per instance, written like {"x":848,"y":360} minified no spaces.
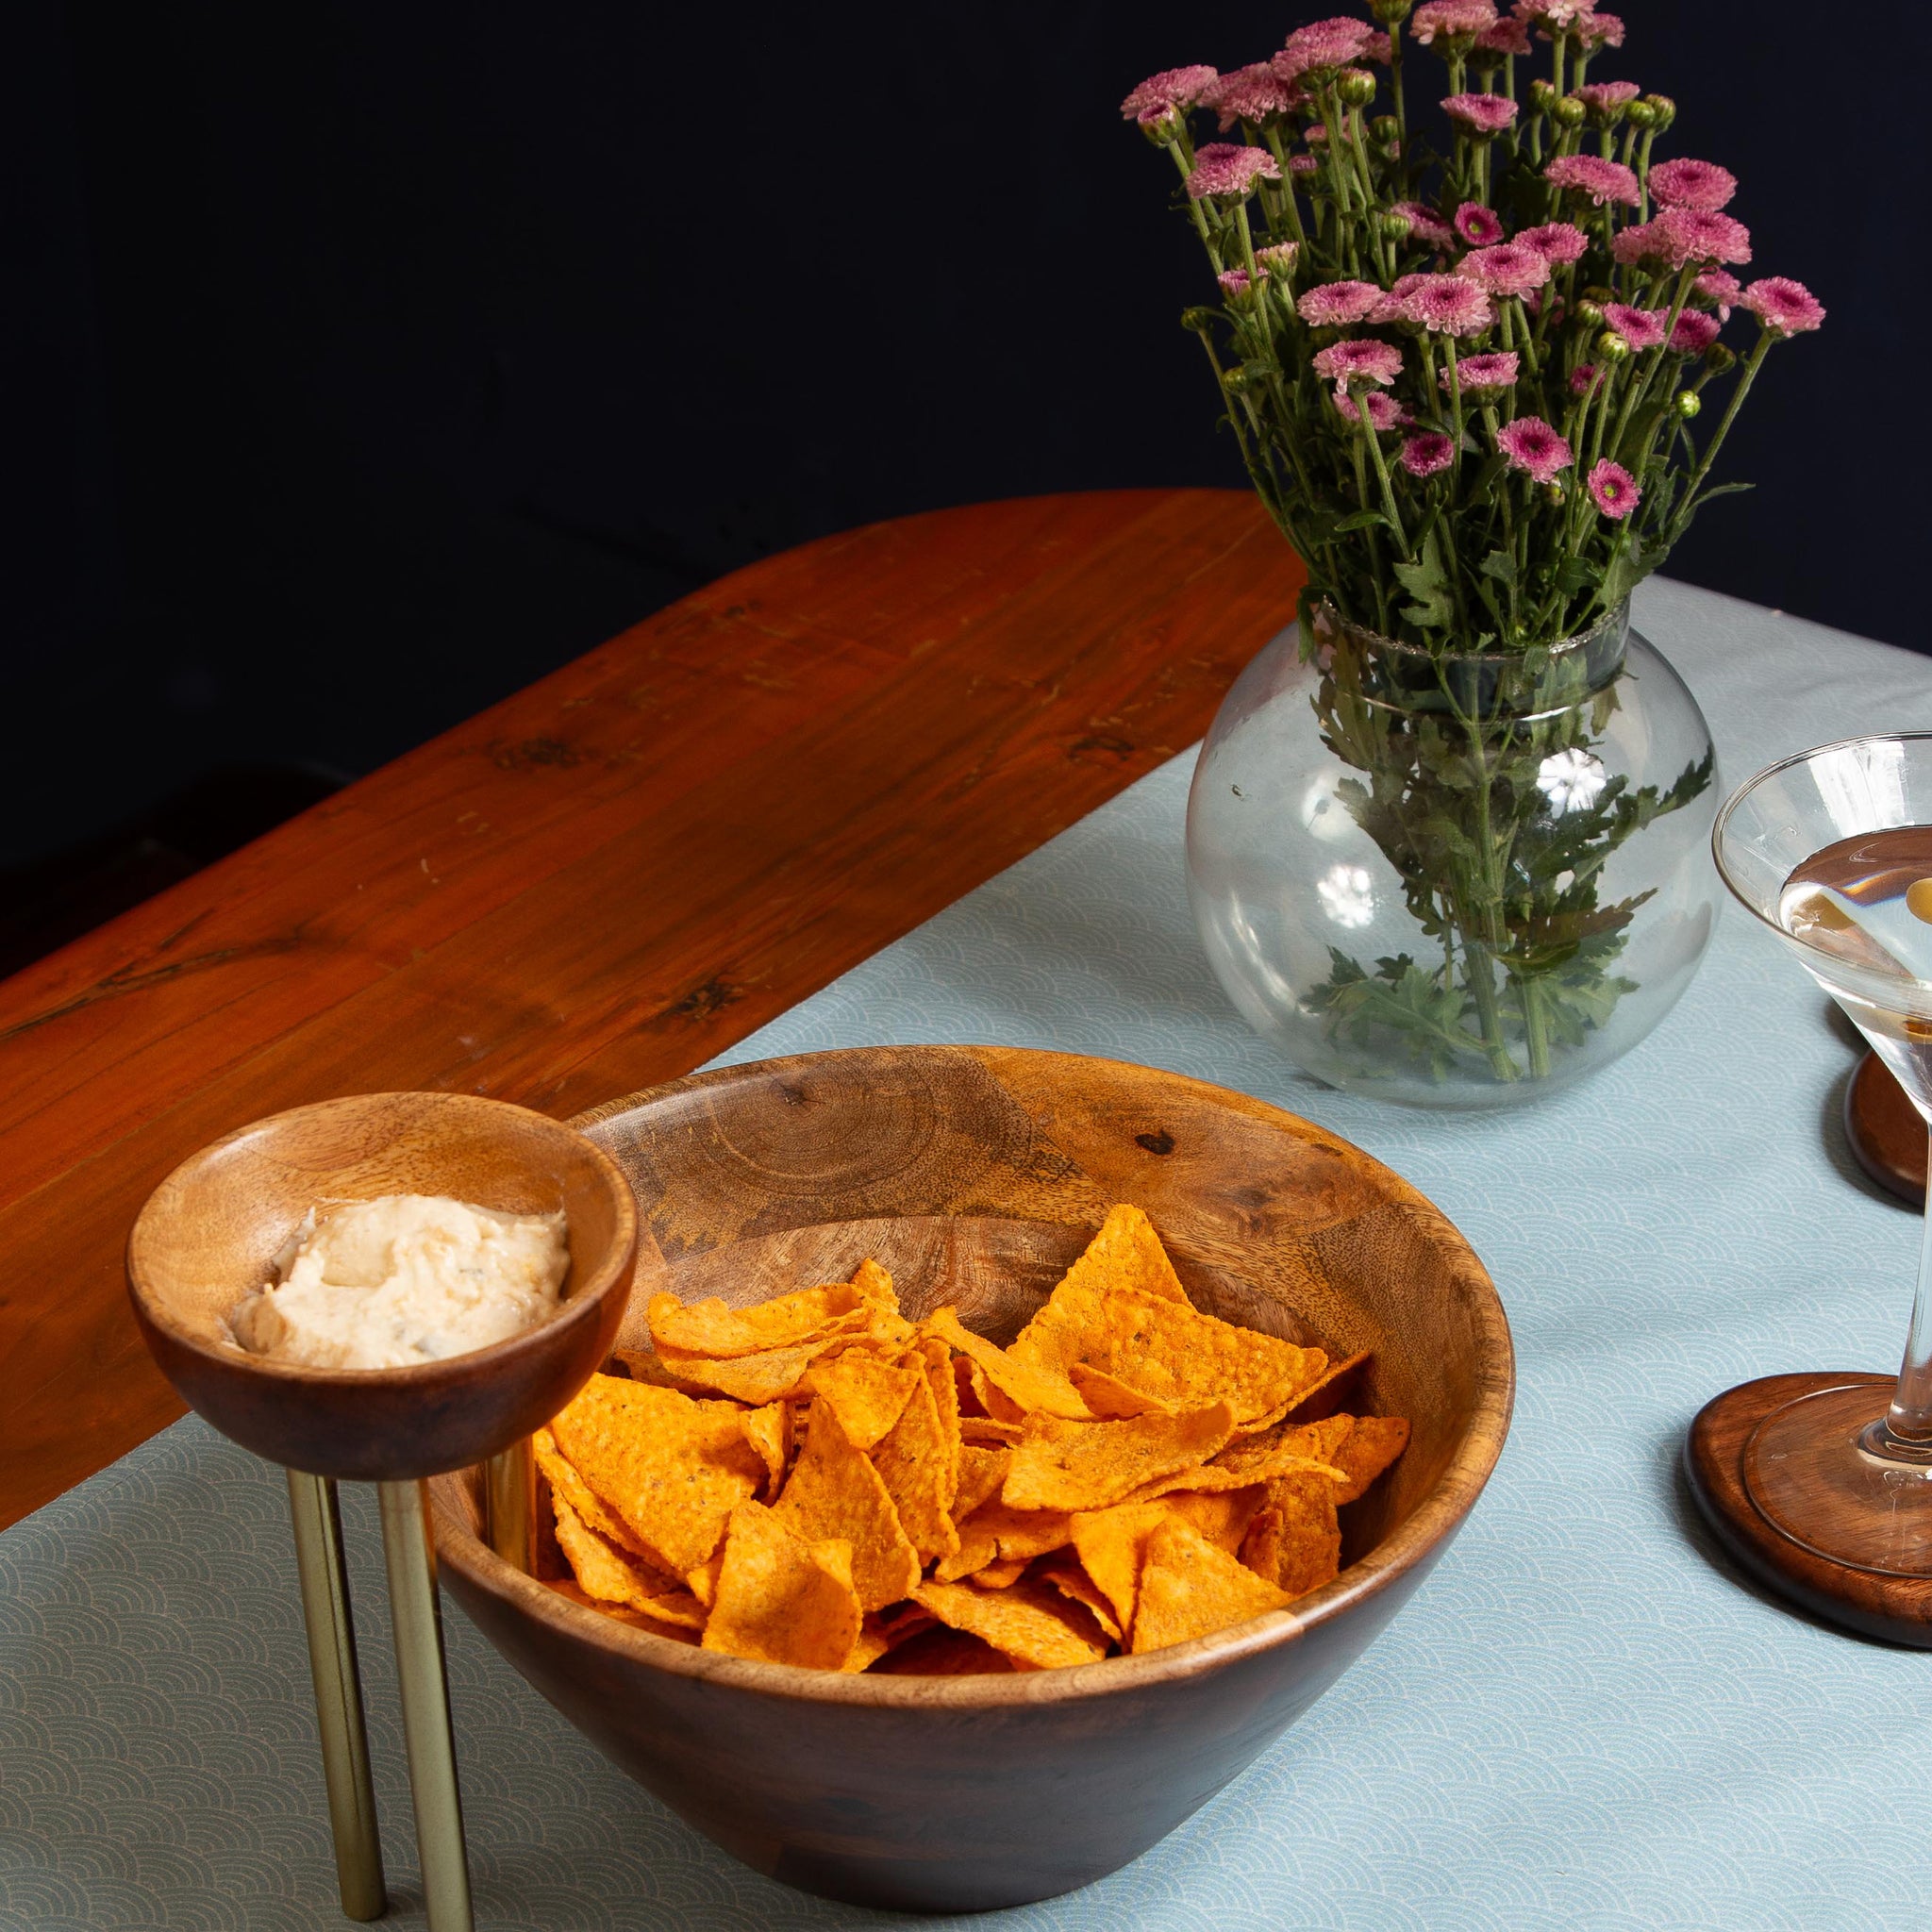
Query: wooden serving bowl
{"x":209,"y":1231}
{"x":976,"y":1175}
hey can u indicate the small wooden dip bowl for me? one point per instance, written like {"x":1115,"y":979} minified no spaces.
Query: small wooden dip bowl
{"x":209,"y":1233}
{"x":976,"y":1175}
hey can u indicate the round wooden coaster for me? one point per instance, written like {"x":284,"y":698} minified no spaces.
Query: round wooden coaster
{"x":1885,"y":1131}
{"x":1896,"y":1608}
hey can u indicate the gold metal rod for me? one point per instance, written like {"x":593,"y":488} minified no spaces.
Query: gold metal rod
{"x":325,"y":1610}
{"x":410,"y":1555}
{"x":510,"y":1505}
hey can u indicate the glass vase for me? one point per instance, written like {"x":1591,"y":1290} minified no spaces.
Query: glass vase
{"x":1453,"y":881}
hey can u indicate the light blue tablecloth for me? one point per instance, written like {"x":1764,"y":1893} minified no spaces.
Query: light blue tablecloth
{"x":1583,"y":1720}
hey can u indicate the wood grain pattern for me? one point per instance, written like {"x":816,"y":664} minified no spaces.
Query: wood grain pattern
{"x":953,"y":1165}
{"x":604,"y":881}
{"x":1895,"y":1609}
{"x":210,"y":1232}
{"x":1886,"y":1131}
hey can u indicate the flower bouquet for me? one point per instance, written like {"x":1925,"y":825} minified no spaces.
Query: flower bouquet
{"x":1468,"y":374}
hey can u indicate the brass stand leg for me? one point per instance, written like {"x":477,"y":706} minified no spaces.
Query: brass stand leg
{"x":510,"y":1505}
{"x":338,"y":1694}
{"x":414,"y":1609}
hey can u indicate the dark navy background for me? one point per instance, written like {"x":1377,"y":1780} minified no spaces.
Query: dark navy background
{"x":363,"y":362}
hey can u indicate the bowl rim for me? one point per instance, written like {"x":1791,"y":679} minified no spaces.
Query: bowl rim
{"x":1414,"y":1541}
{"x":572,"y":1311}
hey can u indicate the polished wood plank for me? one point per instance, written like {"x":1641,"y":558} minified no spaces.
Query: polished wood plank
{"x":606,"y":879}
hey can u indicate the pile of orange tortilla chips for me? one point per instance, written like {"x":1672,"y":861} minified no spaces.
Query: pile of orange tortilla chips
{"x":817,"y":1480}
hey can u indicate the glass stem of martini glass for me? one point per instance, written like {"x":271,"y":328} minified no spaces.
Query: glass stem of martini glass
{"x":1906,"y":1433}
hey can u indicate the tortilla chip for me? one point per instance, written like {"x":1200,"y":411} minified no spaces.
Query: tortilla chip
{"x":703,"y":1581}
{"x":1029,"y":1389}
{"x":995,"y":1532}
{"x":568,"y":1486}
{"x":874,"y":1284}
{"x":915,"y":1463}
{"x":943,"y":1652}
{"x":1222,"y":1516}
{"x":783,"y":1598}
{"x":710,"y":1330}
{"x":1322,"y":1398}
{"x":1110,"y":1398}
{"x":1188,"y":1588}
{"x":1068,"y":1575}
{"x":834,"y":1492}
{"x":1294,"y":1542}
{"x":1370,"y":1447}
{"x":1211,"y":1475}
{"x":625,"y":1613}
{"x":1000,"y":1572}
{"x":886,"y":1632}
{"x":1090,"y":1465}
{"x":608,"y":1575}
{"x":672,"y":1467}
{"x":644,"y":1365}
{"x":1111,"y":1545}
{"x":938,"y":1359}
{"x":865,"y":1393}
{"x":983,"y":1430}
{"x":769,"y":1431}
{"x":1032,"y":1623}
{"x":981,"y":1472}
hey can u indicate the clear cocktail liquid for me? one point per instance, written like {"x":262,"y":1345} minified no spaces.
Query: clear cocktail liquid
{"x":1868,"y":902}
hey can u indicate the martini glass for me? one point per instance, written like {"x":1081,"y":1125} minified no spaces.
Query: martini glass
{"x":1832,"y":849}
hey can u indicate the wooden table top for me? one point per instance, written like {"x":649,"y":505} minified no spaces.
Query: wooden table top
{"x":604,"y":881}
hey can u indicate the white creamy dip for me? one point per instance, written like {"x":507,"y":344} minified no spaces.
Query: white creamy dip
{"x":403,"y":1279}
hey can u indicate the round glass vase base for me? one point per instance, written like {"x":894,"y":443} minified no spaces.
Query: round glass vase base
{"x":1779,"y":1470}
{"x":1460,"y":882}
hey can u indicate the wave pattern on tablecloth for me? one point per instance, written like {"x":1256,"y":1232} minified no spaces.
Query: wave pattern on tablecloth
{"x":1584,"y":1719}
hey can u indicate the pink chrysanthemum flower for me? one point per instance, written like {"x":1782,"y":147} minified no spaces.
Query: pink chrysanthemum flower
{"x":1694,"y":333}
{"x":1427,"y":454}
{"x":1255,"y":93}
{"x":1597,"y":30}
{"x":1380,"y":49}
{"x":1642,"y":329}
{"x":1425,"y":225}
{"x":1385,"y":412}
{"x":1335,"y":305}
{"x":1480,"y":114}
{"x":1782,"y":305}
{"x":1593,"y":175}
{"x":1222,"y":168}
{"x":1532,"y":446}
{"x":1179,"y":87}
{"x":1323,"y":43}
{"x":1557,"y":243}
{"x":1554,"y":16}
{"x":1506,"y":269}
{"x":1719,"y":286}
{"x":1602,"y":96}
{"x":1701,"y":235}
{"x":1279,"y":258}
{"x":1507,"y":37}
{"x":1358,"y":360}
{"x":1583,"y":378}
{"x":1452,"y":21}
{"x":1446,"y":305}
{"x":1234,"y":283}
{"x":1477,"y":226}
{"x":1301,"y":164}
{"x":1701,"y":184}
{"x":1496,"y":370}
{"x":1613,"y":489}
{"x":1654,"y":244}
{"x":1161,"y":123}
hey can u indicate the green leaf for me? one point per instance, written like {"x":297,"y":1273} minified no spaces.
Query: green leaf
{"x":1361,"y":520}
{"x":1501,"y":565}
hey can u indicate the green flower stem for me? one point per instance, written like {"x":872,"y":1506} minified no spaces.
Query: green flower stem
{"x":1455,"y":411}
{"x":1400,"y":112}
{"x":1367,"y":431}
{"x":1272,"y":135}
{"x":1241,"y":215}
{"x":1753,"y":362}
